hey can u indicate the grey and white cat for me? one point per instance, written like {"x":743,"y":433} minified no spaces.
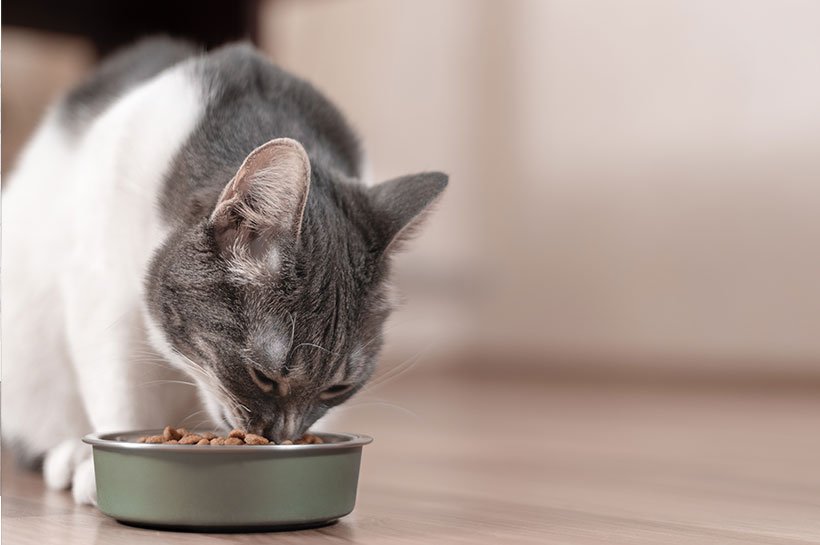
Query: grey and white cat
{"x":187,"y":217}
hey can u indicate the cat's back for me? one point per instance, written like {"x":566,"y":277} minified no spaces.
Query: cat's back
{"x":79,"y":222}
{"x":250,"y":101}
{"x":47,"y":161}
{"x":90,"y":174}
{"x":160,"y":124}
{"x":118,"y":74}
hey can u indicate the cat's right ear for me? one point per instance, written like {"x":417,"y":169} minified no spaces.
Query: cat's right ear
{"x":264,"y":203}
{"x":401,"y":205}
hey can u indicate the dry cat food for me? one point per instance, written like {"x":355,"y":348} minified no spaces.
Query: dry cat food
{"x":181,"y":436}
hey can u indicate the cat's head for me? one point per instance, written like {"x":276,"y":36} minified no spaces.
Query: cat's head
{"x":275,"y":303}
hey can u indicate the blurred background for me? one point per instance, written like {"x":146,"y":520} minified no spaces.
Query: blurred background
{"x":634,"y":185}
{"x":610,"y":328}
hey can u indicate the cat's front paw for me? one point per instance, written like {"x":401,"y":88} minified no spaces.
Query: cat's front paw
{"x":61,"y":461}
{"x":83,"y":486}
{"x":69,"y":464}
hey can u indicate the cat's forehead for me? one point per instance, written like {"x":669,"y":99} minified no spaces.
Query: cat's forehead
{"x":270,"y":336}
{"x":322,"y":312}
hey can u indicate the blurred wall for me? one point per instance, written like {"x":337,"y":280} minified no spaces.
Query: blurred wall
{"x":36,"y":68}
{"x":633,"y":184}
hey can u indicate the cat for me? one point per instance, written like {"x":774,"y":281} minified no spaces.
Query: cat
{"x":190,"y":233}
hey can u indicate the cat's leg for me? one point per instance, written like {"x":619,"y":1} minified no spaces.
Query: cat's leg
{"x":41,"y":405}
{"x":42,"y":409}
{"x":60,"y":462}
{"x":69,"y":464}
{"x":124,"y":383}
{"x":125,"y":386}
{"x":83,"y":483}
{"x":98,"y":356}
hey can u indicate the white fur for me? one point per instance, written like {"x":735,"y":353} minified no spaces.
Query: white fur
{"x":366,"y":176}
{"x":80,"y":224}
{"x":207,"y":388}
{"x":60,"y":462}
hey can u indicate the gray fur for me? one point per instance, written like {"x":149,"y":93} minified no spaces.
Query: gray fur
{"x":119,"y":73}
{"x":251,"y":101}
{"x":326,"y":300}
{"x":24,"y":457}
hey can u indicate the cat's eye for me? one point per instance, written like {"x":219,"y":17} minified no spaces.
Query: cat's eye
{"x":266,"y":384}
{"x":335,"y":390}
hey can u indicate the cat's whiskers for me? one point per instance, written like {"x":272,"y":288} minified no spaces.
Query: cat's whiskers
{"x":385,"y":330}
{"x":314,"y":346}
{"x":152,"y":382}
{"x":368,"y":403}
{"x":393,"y":373}
{"x":246,"y":353}
{"x":212,"y":382}
{"x":292,"y":329}
{"x":153,"y":358}
{"x":397,"y":370}
{"x":193,"y":414}
{"x":224,"y":396}
{"x":199,"y":423}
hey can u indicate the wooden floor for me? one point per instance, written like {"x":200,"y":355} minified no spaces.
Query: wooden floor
{"x":497,"y":463}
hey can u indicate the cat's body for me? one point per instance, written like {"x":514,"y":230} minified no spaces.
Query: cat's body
{"x":143,"y":243}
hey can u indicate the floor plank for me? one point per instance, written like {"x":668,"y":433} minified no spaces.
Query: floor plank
{"x":475,"y":462}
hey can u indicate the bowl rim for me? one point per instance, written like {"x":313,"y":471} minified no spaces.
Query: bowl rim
{"x":111,"y":440}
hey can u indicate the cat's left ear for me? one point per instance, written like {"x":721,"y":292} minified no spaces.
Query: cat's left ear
{"x":264,"y":202}
{"x":401,"y":206}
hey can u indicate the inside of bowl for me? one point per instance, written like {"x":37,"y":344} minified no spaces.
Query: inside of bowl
{"x":131,"y":437}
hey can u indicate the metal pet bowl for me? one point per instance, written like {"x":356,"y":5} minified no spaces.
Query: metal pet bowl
{"x":227,"y":488}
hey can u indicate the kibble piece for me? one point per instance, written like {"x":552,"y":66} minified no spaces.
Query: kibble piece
{"x":170,"y":433}
{"x":181,"y":436}
{"x":190,"y":439}
{"x":253,"y":439}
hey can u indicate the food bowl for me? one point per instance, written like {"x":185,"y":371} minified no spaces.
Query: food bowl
{"x":226,"y":488}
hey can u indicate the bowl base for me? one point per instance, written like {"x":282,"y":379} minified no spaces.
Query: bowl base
{"x":251,"y":528}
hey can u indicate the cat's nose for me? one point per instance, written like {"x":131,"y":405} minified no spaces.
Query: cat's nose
{"x":291,"y":427}
{"x":286,"y":426}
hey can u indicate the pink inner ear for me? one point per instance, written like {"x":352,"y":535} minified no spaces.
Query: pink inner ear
{"x":226,"y":227}
{"x":266,"y":197}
